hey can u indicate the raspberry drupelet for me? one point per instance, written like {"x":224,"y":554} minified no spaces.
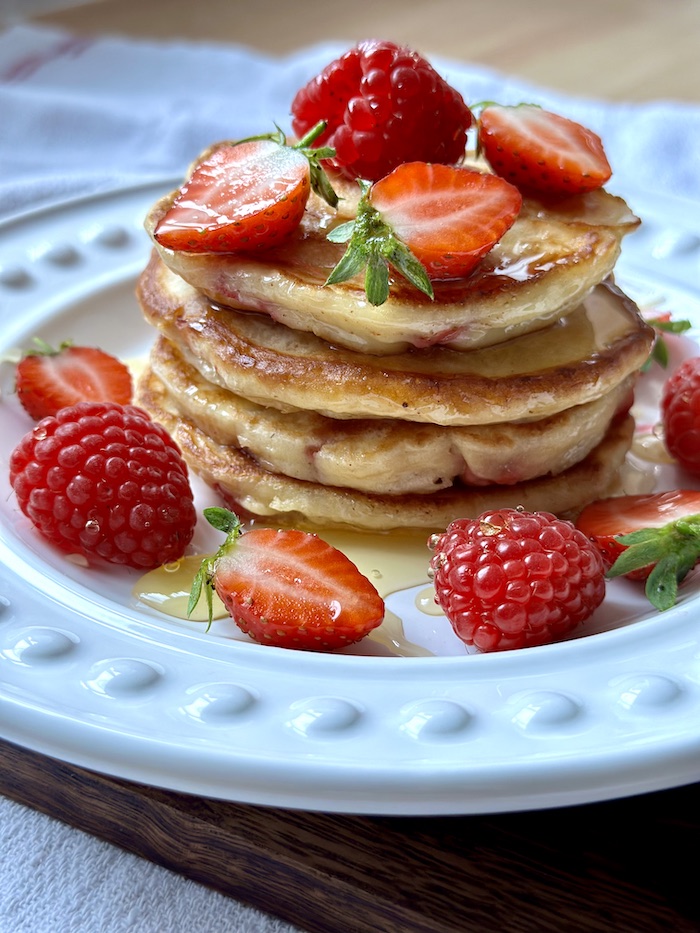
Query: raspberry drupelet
{"x":103,"y":480}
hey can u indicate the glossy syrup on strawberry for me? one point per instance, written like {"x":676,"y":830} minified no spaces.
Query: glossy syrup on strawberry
{"x":428,"y":222}
{"x":245,"y":196}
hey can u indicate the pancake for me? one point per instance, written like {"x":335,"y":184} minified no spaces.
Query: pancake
{"x":250,"y":490}
{"x":543,"y":267}
{"x":383,"y":456}
{"x":572,"y":362}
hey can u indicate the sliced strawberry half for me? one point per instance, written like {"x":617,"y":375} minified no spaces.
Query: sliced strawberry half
{"x":287,"y":588}
{"x":430,"y":222}
{"x":540,"y":152}
{"x":653,"y":536}
{"x":49,"y":379}
{"x":244,"y":197}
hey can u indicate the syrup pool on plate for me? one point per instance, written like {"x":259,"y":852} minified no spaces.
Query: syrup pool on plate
{"x":392,"y":562}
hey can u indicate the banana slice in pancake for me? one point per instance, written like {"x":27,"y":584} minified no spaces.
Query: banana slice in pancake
{"x":378,"y":455}
{"x":552,"y":256}
{"x":574,"y":361}
{"x":251,"y":490}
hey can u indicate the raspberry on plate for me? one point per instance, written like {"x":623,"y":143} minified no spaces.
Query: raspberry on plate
{"x":103,"y":480}
{"x":384,"y":105}
{"x":680,"y":415}
{"x":513,"y":579}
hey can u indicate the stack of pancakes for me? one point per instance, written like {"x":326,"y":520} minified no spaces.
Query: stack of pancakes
{"x":303,"y":404}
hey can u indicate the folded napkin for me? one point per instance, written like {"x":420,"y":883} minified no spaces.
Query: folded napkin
{"x":54,"y":879}
{"x":81,"y":116}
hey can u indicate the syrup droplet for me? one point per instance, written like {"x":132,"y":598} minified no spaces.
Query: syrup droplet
{"x":391,"y":634}
{"x":650,"y":446}
{"x":136,"y":366}
{"x":167,"y":589}
{"x":391,"y":561}
{"x":425,"y":602}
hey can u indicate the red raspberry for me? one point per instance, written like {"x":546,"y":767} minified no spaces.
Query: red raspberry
{"x":512,"y":579}
{"x":102,"y":480}
{"x":680,"y":415}
{"x":384,"y":105}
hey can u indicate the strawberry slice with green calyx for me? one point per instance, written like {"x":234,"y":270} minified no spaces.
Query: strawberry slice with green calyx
{"x":653,"y":536}
{"x":540,"y":152}
{"x":48,"y":379}
{"x":287,"y":588}
{"x":429,"y":222}
{"x":246,"y":196}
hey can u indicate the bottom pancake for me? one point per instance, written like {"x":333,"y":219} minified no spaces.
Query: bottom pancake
{"x":251,"y":490}
{"x":381,"y":455}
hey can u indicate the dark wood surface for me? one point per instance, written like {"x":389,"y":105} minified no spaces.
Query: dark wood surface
{"x":626,"y":866}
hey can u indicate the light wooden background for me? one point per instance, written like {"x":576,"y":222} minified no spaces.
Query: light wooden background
{"x":615,"y":49}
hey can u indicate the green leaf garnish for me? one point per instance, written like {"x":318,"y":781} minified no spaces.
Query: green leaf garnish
{"x":659,"y":351}
{"x":374,"y":246}
{"x":674,"y":549}
{"x":225,"y":521}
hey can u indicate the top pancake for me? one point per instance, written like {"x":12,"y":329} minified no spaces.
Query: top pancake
{"x":568,"y":363}
{"x":552,"y":256}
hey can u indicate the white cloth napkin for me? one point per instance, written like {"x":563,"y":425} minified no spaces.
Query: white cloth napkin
{"x":81,"y":116}
{"x":86,"y":115}
{"x":54,"y":879}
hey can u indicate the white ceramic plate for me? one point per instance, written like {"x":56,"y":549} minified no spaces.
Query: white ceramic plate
{"x":92,"y":676}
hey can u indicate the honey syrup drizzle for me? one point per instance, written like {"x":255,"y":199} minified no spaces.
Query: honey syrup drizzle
{"x":393,"y":562}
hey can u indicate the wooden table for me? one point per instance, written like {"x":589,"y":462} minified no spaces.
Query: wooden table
{"x":614,"y":49}
{"x":625,"y":865}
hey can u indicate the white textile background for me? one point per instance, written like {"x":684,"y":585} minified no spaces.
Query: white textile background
{"x":80,"y":116}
